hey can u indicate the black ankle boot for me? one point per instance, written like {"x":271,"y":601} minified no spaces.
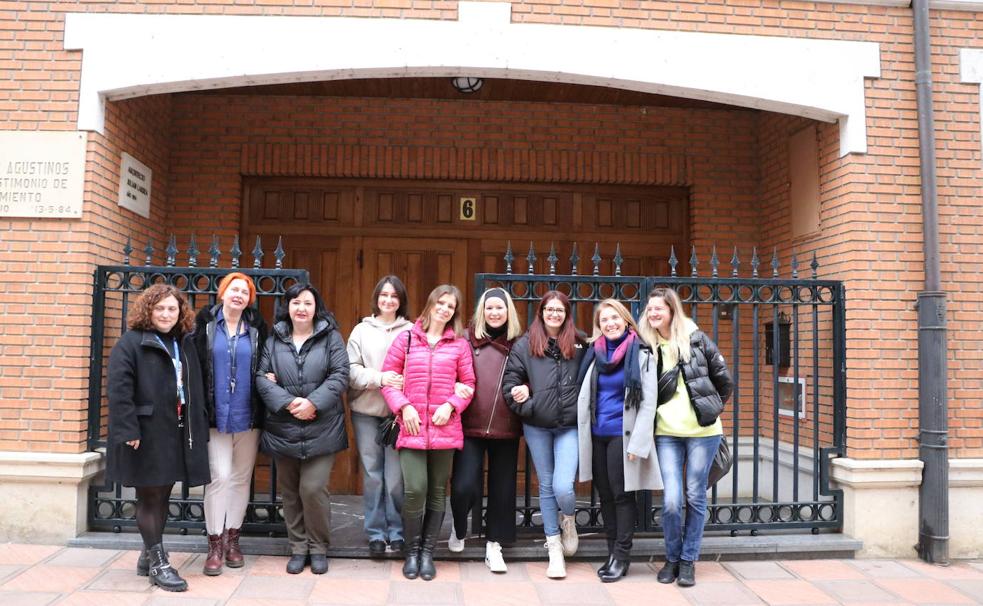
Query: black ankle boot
{"x":617,"y":569}
{"x":412,"y":527}
{"x":603,"y":570}
{"x":143,"y":563}
{"x":431,"y":530}
{"x":162,"y":574}
{"x":687,"y":574}
{"x":668,"y":573}
{"x":604,"y":567}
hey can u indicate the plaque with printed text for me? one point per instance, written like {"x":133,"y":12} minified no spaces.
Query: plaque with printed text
{"x":42,"y":174}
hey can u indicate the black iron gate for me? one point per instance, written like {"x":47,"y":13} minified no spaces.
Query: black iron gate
{"x":786,"y":344}
{"x":112,"y":507}
{"x":787,"y":351}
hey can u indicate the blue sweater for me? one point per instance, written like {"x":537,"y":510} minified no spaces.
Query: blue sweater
{"x":609,"y":409}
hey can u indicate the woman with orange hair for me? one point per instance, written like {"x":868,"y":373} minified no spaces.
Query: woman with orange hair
{"x":229,"y":337}
{"x":158,"y":423}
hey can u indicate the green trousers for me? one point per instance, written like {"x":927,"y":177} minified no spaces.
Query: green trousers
{"x":425,"y":475}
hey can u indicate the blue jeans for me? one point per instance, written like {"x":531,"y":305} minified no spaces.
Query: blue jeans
{"x":555,"y":454}
{"x":382,"y":481}
{"x":683,"y":538}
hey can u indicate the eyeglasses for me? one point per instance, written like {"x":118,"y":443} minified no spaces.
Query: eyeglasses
{"x":557,"y":311}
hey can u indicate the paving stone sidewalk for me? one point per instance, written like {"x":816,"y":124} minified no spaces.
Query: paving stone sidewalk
{"x":40,"y":575}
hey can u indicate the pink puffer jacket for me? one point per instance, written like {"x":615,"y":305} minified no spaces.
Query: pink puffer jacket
{"x":428,"y":382}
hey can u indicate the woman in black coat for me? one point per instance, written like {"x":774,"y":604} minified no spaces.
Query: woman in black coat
{"x":540,"y":385}
{"x":302,"y":375}
{"x":158,"y":423}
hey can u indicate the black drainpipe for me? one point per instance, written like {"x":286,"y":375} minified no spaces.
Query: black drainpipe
{"x":933,"y":424}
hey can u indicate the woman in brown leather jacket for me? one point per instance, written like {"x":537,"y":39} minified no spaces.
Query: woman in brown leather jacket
{"x":489,"y":426}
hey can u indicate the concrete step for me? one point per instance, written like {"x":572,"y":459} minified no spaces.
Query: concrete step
{"x":592,"y":546}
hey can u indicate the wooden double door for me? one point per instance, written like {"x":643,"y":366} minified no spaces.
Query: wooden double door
{"x":349,"y":233}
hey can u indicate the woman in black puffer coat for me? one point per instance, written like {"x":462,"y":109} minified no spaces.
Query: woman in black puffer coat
{"x":693,"y":385}
{"x":302,"y":375}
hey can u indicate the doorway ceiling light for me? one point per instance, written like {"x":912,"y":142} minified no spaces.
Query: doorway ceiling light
{"x":467,"y":84}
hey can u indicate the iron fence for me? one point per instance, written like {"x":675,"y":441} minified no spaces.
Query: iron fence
{"x":785,"y":337}
{"x":787,"y":351}
{"x":112,"y":507}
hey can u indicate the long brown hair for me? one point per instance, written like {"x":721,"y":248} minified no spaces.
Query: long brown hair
{"x":139,"y":316}
{"x":455,"y":323}
{"x":566,"y":340}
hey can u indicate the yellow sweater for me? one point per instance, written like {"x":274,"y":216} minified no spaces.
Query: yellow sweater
{"x":677,"y":417}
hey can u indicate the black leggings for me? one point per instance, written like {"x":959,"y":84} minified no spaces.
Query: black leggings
{"x":467,"y":483}
{"x":151,"y":512}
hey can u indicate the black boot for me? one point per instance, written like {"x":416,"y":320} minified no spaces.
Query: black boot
{"x":162,"y":574}
{"x":615,"y":571}
{"x":668,"y":573}
{"x":604,"y":567}
{"x":431,"y":530}
{"x":143,"y":563}
{"x":412,"y":527}
{"x":687,"y":574}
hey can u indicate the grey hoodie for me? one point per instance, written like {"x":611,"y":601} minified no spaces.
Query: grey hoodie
{"x":367,"y":348}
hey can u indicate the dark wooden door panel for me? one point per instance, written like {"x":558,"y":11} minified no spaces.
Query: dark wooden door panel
{"x":349,"y":233}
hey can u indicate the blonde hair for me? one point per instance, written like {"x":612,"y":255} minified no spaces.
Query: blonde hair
{"x":617,"y":306}
{"x":513,"y":326}
{"x":455,"y":322}
{"x":678,"y":337}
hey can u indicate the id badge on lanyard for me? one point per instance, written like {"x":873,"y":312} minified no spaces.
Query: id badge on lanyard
{"x":178,"y":377}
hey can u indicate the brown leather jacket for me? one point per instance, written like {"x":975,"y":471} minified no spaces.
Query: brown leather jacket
{"x":489,"y":416}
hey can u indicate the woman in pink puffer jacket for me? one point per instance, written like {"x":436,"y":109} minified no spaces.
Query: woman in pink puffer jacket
{"x":432,"y":357}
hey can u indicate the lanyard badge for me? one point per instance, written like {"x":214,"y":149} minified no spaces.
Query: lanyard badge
{"x":178,"y":377}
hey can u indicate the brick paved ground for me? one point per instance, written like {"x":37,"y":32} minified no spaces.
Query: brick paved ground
{"x":36,"y":575}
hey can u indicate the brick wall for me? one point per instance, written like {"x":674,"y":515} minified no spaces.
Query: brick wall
{"x":870,"y":203}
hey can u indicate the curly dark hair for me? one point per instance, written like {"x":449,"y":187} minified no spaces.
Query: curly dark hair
{"x":139,"y":315}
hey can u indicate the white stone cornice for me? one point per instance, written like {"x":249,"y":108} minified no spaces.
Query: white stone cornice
{"x":877,"y":473}
{"x":46,"y":467}
{"x":967,"y":473}
{"x":130,"y":55}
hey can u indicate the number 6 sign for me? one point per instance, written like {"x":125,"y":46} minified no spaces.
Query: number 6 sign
{"x":469,"y":209}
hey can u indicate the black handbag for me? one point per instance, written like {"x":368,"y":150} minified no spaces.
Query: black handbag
{"x":722,"y":462}
{"x":388,"y":432}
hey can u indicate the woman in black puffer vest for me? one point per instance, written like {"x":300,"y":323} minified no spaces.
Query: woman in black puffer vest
{"x":693,"y":385}
{"x":301,"y":378}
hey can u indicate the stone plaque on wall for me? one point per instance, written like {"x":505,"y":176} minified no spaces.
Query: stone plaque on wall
{"x":134,"y":185}
{"x":42,"y":174}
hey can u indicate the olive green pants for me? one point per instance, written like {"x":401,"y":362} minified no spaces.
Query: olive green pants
{"x":303,"y":485}
{"x":425,"y":475}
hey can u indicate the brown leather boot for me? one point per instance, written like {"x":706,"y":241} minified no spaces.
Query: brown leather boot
{"x":213,"y":563}
{"x":233,"y":554}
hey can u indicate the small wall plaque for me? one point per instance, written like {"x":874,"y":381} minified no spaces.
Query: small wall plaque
{"x":469,"y":209}
{"x":134,"y":185}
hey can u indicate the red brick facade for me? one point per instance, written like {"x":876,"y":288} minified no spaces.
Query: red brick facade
{"x":734,"y":162}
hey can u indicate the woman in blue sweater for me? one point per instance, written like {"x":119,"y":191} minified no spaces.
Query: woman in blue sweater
{"x":614,"y":427}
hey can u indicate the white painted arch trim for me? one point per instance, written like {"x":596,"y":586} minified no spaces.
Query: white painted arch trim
{"x":131,"y":55}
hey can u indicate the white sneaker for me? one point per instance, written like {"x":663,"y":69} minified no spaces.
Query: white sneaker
{"x":568,"y":532}
{"x":493,"y":557}
{"x":557,"y":568}
{"x":455,"y":544}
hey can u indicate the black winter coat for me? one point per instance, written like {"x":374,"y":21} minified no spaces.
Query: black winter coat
{"x":707,"y":379}
{"x":204,"y":337}
{"x":552,"y":381}
{"x":319,"y":372}
{"x":142,"y":392}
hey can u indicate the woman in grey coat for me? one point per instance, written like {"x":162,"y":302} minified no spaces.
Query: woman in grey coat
{"x":615,"y":429}
{"x":301,"y":378}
